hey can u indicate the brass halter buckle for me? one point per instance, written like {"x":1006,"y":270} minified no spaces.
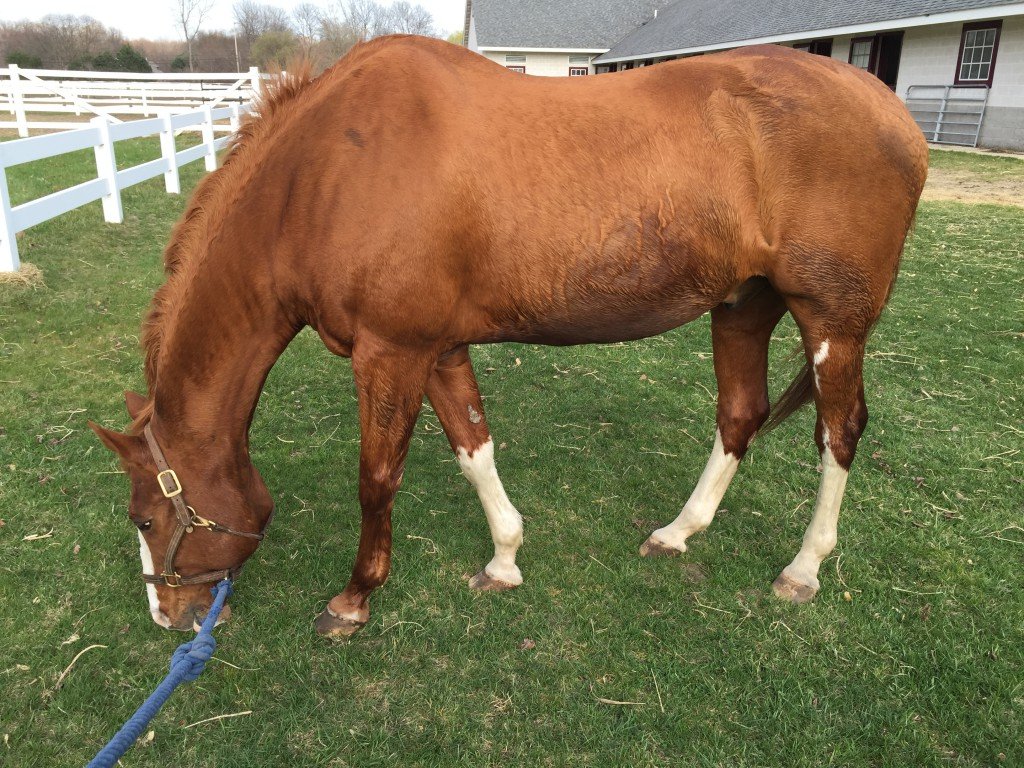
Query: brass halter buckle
{"x":170,"y":486}
{"x":167,"y":579}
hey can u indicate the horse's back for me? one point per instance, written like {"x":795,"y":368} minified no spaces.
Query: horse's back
{"x":569,"y":209}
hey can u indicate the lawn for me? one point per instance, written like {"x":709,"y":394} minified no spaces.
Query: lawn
{"x":911,"y":655}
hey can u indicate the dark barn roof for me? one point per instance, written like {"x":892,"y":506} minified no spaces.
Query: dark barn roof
{"x":577,"y":24}
{"x":696,"y":23}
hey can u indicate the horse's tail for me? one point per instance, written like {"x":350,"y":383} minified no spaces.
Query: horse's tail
{"x":799,"y":392}
{"x":801,"y":389}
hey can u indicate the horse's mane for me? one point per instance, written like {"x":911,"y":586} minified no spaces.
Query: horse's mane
{"x":184,"y":250}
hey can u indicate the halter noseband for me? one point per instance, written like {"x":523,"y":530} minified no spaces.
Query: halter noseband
{"x":188,"y":521}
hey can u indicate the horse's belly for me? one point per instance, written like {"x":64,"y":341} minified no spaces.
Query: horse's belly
{"x":606,"y":319}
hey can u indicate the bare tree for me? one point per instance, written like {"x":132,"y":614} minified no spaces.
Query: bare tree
{"x":366,"y":18}
{"x":406,"y":18}
{"x":254,"y":19}
{"x":189,"y":16}
{"x":60,"y":41}
{"x":336,"y":38}
{"x":308,"y":22}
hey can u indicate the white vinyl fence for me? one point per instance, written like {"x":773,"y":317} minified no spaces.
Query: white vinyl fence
{"x":32,"y":95}
{"x":102,"y":135}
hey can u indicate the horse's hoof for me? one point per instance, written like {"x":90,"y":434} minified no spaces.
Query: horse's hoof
{"x":484,"y":582}
{"x":337,"y":627}
{"x":654,"y":548}
{"x":786,"y":588}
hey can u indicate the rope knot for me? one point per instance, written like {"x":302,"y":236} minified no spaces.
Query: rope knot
{"x":195,"y":654}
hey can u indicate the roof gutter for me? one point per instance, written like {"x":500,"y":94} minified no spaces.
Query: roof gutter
{"x":975,"y":14}
{"x":520,"y":49}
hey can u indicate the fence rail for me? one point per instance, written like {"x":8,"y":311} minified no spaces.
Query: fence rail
{"x":949,"y":114}
{"x":113,"y":94}
{"x":102,"y":135}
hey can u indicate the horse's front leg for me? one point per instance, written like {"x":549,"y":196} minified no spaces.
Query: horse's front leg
{"x":390,"y":382}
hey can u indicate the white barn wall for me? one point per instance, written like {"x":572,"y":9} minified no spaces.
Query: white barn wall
{"x":929,"y":57}
{"x":1008,"y":82}
{"x":544,"y":64}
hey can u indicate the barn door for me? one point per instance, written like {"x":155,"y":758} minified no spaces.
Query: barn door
{"x":879,"y":55}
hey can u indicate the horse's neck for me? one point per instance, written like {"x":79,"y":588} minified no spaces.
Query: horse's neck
{"x":226,"y":334}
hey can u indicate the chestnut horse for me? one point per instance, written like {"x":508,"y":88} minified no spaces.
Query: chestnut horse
{"x":416,"y":199}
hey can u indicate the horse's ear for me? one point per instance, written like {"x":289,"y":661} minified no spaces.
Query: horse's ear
{"x":135,"y":403}
{"x":131,"y":448}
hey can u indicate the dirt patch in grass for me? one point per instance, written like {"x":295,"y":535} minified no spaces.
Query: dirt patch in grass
{"x":965,"y":187}
{"x":964,"y":184}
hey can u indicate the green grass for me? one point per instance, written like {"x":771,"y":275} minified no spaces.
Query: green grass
{"x":987,"y":167}
{"x":923,"y":667}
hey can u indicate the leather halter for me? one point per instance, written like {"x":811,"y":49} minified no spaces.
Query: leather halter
{"x":187,"y":521}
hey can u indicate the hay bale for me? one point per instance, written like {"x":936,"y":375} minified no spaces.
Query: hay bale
{"x":29,"y":276}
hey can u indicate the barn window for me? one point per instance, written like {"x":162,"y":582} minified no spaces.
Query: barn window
{"x":579,"y":60}
{"x":862,"y":52}
{"x":515,"y":58}
{"x":978,"y":46}
{"x":517,"y":69}
{"x":821,"y":47}
{"x":579,"y":71}
{"x":879,"y":54}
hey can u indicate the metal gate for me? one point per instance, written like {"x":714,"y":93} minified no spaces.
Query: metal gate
{"x":949,"y":114}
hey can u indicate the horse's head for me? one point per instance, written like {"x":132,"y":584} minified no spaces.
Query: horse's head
{"x":199,"y":516}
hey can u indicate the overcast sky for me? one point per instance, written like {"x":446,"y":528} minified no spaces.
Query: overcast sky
{"x":155,"y":19}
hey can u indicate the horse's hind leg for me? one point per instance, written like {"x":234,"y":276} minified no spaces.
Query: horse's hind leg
{"x":740,"y":336}
{"x":390,"y":383}
{"x":453,"y":393}
{"x":837,"y":356}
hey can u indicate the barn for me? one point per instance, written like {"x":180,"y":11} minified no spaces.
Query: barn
{"x":959,"y":64}
{"x":539,"y":37}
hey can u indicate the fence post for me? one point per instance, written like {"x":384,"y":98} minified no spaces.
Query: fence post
{"x":942,"y":112}
{"x":8,"y":237}
{"x":211,"y":148}
{"x":106,"y":169}
{"x":170,"y":153}
{"x":257,"y":82}
{"x":19,"y":101}
{"x":236,"y":117}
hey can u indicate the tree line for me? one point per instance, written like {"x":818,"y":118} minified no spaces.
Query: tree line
{"x":69,"y":42}
{"x":264,"y":35}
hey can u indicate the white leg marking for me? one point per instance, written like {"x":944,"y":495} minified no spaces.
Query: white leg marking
{"x":504,"y":520}
{"x":703,"y":503}
{"x":147,"y":567}
{"x":821,"y":536}
{"x":819,"y":357}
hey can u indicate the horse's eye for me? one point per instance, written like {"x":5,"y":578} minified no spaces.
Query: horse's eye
{"x":145,"y":526}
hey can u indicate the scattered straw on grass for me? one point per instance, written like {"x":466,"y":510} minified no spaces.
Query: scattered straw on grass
{"x":60,"y":680}
{"x":219,"y":717}
{"x":29,"y":276}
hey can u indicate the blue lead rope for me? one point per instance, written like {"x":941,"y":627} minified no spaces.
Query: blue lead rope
{"x":187,"y":663}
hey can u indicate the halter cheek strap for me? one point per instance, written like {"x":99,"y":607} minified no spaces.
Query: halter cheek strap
{"x":187,"y":522}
